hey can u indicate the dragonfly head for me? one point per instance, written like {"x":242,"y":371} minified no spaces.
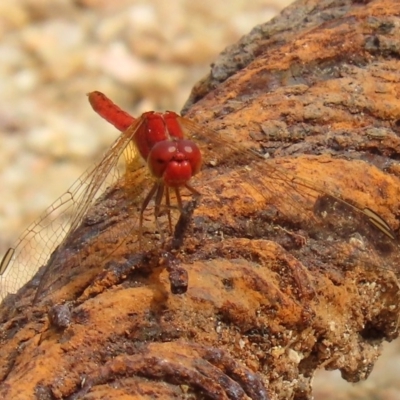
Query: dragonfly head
{"x":174,"y":161}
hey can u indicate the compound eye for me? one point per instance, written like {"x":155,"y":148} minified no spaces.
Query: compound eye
{"x":191,"y":153}
{"x":160,"y":156}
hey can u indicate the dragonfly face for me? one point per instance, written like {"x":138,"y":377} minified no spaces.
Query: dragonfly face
{"x":175,"y":162}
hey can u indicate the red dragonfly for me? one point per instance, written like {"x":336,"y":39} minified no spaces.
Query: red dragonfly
{"x":159,"y":138}
{"x":172,"y":148}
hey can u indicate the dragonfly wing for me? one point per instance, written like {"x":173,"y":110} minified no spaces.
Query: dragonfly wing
{"x":303,"y":201}
{"x":49,"y":232}
{"x":108,"y":232}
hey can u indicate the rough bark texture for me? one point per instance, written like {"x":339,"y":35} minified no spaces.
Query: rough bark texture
{"x":269,"y":300}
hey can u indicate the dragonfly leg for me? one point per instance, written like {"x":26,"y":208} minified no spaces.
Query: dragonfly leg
{"x":157,"y":207}
{"x":145,"y":203}
{"x":195,"y":192}
{"x":157,"y":191}
{"x":168,"y":206}
{"x":178,"y":199}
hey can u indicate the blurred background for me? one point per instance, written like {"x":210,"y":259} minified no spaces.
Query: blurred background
{"x":145,"y":55}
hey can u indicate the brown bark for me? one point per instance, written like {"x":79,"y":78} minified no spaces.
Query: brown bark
{"x":276,"y":287}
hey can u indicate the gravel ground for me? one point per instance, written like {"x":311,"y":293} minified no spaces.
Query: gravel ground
{"x":145,"y":56}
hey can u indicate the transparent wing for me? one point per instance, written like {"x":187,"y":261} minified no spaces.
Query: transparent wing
{"x":335,"y":229}
{"x":349,"y":232}
{"x":34,"y":247}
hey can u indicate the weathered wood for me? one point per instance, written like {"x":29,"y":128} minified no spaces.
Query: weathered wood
{"x":270,"y":297}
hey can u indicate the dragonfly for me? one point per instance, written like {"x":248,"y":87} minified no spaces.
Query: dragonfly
{"x":159,"y":139}
{"x":165,"y":152}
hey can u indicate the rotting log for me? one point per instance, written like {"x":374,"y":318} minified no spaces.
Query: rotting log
{"x":269,"y":300}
